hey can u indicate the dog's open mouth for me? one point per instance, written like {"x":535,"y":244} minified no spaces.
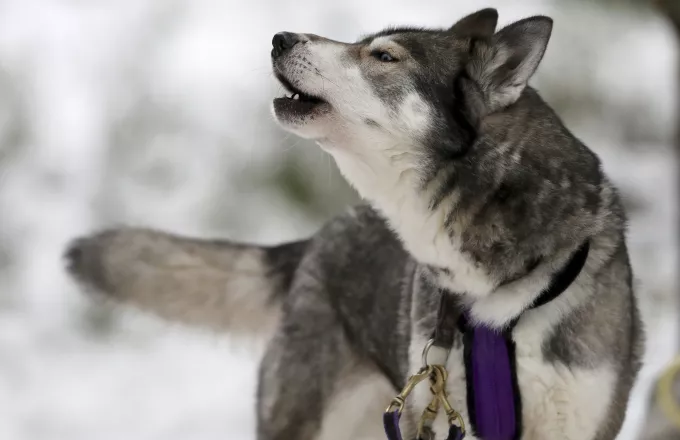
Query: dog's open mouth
{"x":298,"y":103}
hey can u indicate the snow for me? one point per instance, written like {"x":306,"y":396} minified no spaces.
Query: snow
{"x":146,"y":111}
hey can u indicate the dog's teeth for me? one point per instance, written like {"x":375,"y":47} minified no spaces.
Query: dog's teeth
{"x":296,"y":96}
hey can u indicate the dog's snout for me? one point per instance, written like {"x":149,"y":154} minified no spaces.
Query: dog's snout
{"x":284,"y":41}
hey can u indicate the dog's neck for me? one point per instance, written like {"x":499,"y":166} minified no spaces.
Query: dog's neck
{"x":392,"y":184}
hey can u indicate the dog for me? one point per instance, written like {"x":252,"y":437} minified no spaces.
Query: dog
{"x":477,"y":196}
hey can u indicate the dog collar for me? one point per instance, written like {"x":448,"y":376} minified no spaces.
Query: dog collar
{"x":493,"y":397}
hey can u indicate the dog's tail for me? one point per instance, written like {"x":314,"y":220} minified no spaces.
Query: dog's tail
{"x":217,"y":284}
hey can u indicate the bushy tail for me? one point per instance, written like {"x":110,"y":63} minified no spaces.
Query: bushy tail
{"x":216,"y":284}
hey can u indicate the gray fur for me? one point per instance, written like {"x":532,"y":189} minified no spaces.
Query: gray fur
{"x":211,"y":283}
{"x":516,"y":192}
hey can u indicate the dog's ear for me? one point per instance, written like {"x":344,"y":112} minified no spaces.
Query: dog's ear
{"x":503,"y":65}
{"x":480,"y":24}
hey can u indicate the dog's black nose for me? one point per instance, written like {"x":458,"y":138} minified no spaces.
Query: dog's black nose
{"x":282,"y":42}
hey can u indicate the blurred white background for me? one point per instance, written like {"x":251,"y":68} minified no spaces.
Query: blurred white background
{"x":155,"y":113}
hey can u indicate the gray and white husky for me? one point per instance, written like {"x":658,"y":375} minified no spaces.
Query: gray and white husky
{"x":476,"y":191}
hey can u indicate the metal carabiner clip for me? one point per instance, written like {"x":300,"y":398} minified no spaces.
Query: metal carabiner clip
{"x":452,"y":415}
{"x":437,"y":384}
{"x":397,"y":403}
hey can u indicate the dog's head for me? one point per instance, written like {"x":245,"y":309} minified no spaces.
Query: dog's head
{"x":404,"y":94}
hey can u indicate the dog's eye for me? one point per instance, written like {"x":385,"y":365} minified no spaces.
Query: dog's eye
{"x":383,"y":56}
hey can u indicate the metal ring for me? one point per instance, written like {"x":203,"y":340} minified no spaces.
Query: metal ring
{"x":426,"y":350}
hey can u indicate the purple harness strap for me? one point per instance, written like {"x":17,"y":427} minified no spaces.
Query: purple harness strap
{"x":391,"y":423}
{"x":493,"y":398}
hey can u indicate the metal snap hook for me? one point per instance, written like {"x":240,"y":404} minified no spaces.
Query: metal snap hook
{"x":397,"y":403}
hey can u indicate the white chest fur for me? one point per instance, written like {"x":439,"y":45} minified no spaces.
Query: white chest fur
{"x":390,"y":184}
{"x":558,"y":401}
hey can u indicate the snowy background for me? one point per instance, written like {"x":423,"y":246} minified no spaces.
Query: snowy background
{"x":155,"y":112}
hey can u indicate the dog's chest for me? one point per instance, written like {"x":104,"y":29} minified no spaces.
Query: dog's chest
{"x":420,"y":228}
{"x":558,"y":401}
